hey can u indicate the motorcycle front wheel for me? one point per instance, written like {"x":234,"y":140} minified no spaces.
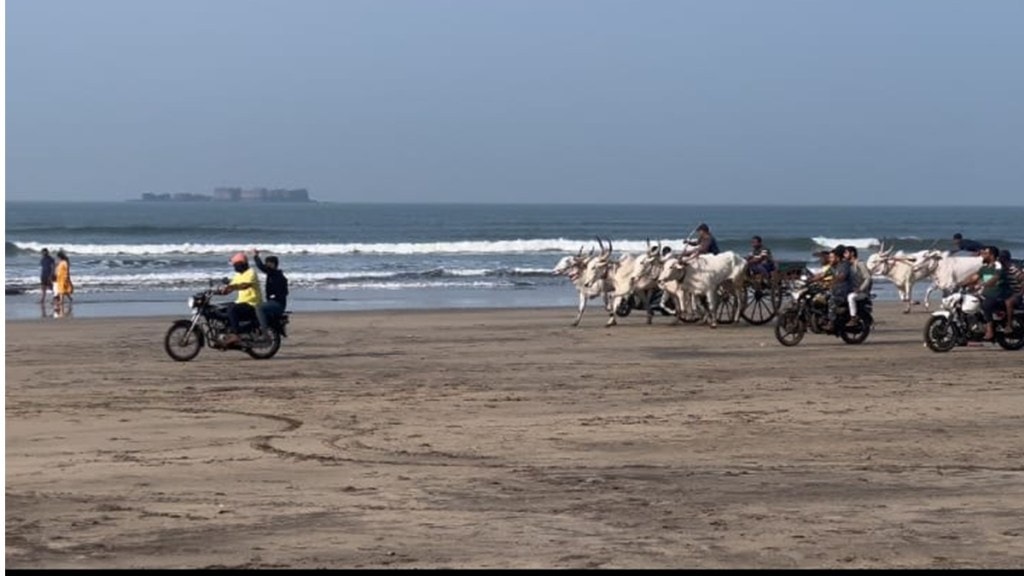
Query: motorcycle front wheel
{"x":1014,"y":340}
{"x":790,"y":328}
{"x":939,"y":334}
{"x":263,"y":349}
{"x":181,"y":344}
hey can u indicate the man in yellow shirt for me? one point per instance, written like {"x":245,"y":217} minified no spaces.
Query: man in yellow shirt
{"x":247,"y":284}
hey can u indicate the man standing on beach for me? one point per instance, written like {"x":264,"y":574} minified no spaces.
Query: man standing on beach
{"x":46,"y":273}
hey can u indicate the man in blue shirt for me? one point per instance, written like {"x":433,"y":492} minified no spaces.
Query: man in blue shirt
{"x":46,"y":273}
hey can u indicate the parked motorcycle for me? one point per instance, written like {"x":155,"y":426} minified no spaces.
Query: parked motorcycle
{"x":960,"y":321}
{"x":809,"y":311}
{"x":209,"y":325}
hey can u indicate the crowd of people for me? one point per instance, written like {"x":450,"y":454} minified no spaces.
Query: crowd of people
{"x":999,"y":281}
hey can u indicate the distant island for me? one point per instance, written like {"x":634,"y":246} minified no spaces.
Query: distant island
{"x":234,"y":195}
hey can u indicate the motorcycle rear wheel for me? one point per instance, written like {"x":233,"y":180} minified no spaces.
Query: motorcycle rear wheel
{"x":939,"y":334}
{"x":790,"y":328}
{"x":855,"y":334}
{"x":1014,"y":340}
{"x":181,"y":345}
{"x":265,"y":349}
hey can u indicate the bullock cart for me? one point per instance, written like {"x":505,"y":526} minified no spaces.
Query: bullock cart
{"x":764,"y":294}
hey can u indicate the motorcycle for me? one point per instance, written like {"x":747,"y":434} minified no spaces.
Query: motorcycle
{"x":809,"y":311}
{"x":960,"y":321}
{"x":209,"y":325}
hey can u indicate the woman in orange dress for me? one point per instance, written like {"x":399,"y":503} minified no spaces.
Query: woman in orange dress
{"x":62,"y":287}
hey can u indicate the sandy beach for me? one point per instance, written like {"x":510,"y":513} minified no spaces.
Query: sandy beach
{"x":507,"y":438}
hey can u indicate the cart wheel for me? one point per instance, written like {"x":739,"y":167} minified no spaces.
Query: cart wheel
{"x":727,"y":306}
{"x":759,"y":307}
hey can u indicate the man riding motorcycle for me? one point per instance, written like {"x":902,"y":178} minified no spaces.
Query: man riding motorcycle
{"x":247,"y":284}
{"x":992,"y":285}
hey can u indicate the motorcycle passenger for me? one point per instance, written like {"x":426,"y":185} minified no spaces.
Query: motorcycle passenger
{"x":842,"y":283}
{"x":1015,"y":280}
{"x":992,"y":286}
{"x":760,"y":261}
{"x":705,"y":243}
{"x":862,"y":283}
{"x":276,"y":293}
{"x":247,"y":284}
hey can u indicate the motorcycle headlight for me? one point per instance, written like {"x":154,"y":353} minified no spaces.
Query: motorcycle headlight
{"x":191,"y":302}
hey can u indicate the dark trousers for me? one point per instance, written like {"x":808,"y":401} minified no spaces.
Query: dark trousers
{"x":237,"y":313}
{"x":990,"y":304}
{"x":269,"y":311}
{"x":763,"y":269}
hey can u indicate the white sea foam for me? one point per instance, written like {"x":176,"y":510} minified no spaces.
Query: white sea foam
{"x":554,"y":245}
{"x":826,"y":242}
{"x":194,"y":280}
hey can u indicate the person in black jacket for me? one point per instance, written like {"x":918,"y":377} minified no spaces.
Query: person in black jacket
{"x":276,"y":294}
{"x":966,"y":245}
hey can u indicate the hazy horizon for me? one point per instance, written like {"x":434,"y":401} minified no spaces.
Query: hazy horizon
{"x":661,"y":102}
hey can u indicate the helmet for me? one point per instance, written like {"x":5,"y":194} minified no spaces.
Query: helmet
{"x":239,"y":258}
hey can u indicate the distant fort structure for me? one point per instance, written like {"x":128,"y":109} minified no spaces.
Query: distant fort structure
{"x":225,"y":194}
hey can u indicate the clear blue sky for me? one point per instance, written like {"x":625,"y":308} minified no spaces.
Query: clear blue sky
{"x":705,"y":101}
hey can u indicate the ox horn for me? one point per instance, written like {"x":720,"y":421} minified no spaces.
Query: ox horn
{"x":609,"y":245}
{"x":580,"y":253}
{"x":599,"y":243}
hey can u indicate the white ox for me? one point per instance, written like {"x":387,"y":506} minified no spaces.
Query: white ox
{"x":574,"y":267}
{"x":902,"y":269}
{"x":644,"y":280}
{"x":692,"y":277}
{"x":948,"y":271}
{"x":623,"y":277}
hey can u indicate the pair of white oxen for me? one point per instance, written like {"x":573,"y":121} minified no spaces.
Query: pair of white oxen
{"x":944,"y":270}
{"x":683,"y":279}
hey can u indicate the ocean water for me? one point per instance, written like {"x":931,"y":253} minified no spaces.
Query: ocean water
{"x":146,"y":258}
